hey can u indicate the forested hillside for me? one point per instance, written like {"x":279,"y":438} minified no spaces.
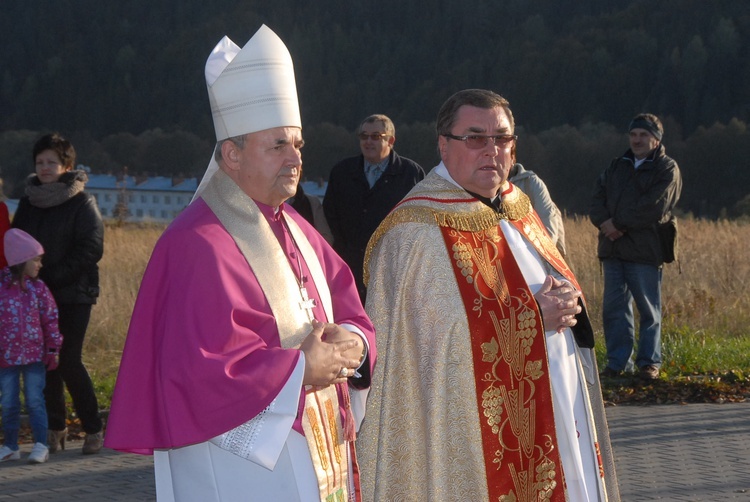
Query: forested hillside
{"x":124,"y":80}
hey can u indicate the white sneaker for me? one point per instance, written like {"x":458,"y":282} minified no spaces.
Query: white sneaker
{"x":8,"y":454}
{"x":39,"y":454}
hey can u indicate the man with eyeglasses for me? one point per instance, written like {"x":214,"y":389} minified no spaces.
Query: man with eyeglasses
{"x":363,"y":189}
{"x":489,"y":388}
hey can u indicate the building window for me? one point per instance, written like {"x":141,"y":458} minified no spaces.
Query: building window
{"x":139,"y":213}
{"x":143,"y":199}
{"x":131,"y":198}
{"x":179,"y":199}
{"x":155,"y":199}
{"x":104,"y":211}
{"x":107,"y":197}
{"x":167,"y":199}
{"x":164,"y":215}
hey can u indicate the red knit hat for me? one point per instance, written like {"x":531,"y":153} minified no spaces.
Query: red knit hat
{"x":20,"y":247}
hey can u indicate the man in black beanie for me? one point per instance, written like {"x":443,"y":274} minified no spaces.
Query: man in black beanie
{"x":632,"y":205}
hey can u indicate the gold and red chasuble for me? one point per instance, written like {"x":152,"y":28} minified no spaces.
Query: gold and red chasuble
{"x":513,"y":389}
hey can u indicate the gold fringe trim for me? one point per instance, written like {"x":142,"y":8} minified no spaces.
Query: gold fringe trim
{"x":514,"y":206}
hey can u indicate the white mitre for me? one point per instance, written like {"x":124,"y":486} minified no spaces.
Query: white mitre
{"x":250,"y":90}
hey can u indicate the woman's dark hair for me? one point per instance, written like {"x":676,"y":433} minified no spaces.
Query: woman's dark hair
{"x":59,"y":145}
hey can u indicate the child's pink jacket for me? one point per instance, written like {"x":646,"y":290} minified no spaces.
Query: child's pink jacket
{"x":28,"y":321}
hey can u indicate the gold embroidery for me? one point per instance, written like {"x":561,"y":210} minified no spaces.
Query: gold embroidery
{"x":534,"y":369}
{"x":492,"y":404}
{"x":489,"y":350}
{"x":514,"y":205}
{"x":319,"y":440}
{"x":462,"y":256}
{"x":545,"y":479}
{"x":508,"y":403}
{"x":467,"y":215}
{"x":334,"y":431}
{"x":478,"y":218}
{"x":321,"y":423}
{"x":541,"y":240}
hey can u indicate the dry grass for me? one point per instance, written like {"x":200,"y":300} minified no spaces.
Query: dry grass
{"x":703,"y":293}
{"x":705,"y":302}
{"x":126,"y":252}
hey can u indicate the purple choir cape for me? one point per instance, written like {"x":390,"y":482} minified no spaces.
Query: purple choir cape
{"x":203,"y":353}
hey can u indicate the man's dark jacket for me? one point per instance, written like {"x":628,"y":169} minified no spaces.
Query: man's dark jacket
{"x":354,"y":210}
{"x":637,"y":200}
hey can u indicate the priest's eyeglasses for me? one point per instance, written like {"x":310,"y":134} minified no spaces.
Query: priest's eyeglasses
{"x":376,"y":136}
{"x":476,"y":141}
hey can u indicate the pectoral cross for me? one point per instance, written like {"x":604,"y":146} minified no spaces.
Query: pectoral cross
{"x":307,"y":303}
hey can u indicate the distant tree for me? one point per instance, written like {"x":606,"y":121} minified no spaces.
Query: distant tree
{"x":715,"y":165}
{"x":418,"y":142}
{"x":742,"y":208}
{"x":16,"y":163}
{"x":124,"y":148}
{"x":325,"y":144}
{"x":573,"y":159}
{"x":121,"y":211}
{"x":170,"y":153}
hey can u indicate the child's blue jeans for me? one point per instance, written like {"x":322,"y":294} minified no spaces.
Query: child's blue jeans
{"x":33,"y":386}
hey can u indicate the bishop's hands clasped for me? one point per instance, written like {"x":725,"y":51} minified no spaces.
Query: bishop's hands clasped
{"x":332,"y":353}
{"x":558,"y":304}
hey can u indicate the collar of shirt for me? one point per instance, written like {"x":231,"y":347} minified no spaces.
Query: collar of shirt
{"x":380,"y":165}
{"x":270,"y":212}
{"x":494,"y":203}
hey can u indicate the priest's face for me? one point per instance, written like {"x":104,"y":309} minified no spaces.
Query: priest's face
{"x":269,"y":165}
{"x":479,"y":167}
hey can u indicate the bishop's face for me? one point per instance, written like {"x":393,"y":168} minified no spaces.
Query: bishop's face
{"x":270,"y":164}
{"x":482,"y":170}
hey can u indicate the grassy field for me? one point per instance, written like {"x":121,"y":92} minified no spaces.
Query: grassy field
{"x":706,"y":306}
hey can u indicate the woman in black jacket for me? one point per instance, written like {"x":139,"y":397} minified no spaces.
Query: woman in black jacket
{"x":66,"y":221}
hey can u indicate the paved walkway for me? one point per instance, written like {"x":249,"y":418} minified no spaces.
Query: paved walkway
{"x":696,"y":452}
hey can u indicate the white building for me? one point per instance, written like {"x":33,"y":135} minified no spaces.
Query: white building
{"x":157,"y":199}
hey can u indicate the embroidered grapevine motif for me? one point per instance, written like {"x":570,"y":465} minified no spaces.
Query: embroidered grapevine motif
{"x":511,"y":374}
{"x":462,"y":257}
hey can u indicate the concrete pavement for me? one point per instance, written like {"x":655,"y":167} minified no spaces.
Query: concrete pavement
{"x":685,"y":453}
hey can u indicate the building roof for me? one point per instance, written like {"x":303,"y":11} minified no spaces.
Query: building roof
{"x":156,"y":183}
{"x":315,"y":188}
{"x":166,"y":183}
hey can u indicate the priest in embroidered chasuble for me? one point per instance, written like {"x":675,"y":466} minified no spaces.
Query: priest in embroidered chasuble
{"x":487,"y":388}
{"x":247,"y":361}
